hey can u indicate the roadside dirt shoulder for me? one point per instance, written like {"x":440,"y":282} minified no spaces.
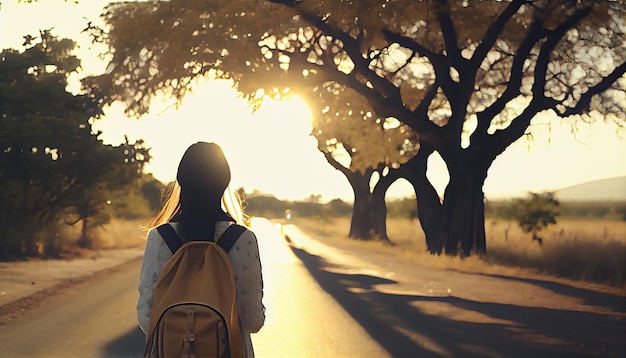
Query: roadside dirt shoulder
{"x":24,"y":284}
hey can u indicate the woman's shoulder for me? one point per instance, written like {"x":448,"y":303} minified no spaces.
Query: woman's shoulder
{"x":155,"y":229}
{"x":245,"y":231}
{"x":247,"y":238}
{"x":156,"y":238}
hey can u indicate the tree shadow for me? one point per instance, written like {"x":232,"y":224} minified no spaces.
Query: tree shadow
{"x":608,"y":301}
{"x":456,"y":327}
{"x":128,"y":345}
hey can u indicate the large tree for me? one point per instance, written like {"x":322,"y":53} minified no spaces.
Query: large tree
{"x":53,"y":167}
{"x":467,"y":76}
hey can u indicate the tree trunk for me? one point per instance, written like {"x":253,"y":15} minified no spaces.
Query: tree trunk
{"x":379,"y":217}
{"x":429,"y":208}
{"x":84,"y":241}
{"x":369,"y":211}
{"x":361,"y":223}
{"x":464,"y":213}
{"x":369,"y":215}
{"x":379,"y":206}
{"x":456,"y":225}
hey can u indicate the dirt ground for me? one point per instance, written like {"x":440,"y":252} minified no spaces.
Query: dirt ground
{"x":24,"y":284}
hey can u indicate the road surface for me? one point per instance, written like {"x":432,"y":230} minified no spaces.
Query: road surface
{"x":322,"y":302}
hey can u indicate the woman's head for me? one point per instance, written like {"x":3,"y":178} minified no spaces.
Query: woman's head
{"x":204,"y":171}
{"x":203,"y":175}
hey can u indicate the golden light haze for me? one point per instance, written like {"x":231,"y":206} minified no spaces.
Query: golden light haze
{"x":272,"y":150}
{"x":269,"y":150}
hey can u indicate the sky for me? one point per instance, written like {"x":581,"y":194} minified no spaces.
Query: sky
{"x":271,"y":150}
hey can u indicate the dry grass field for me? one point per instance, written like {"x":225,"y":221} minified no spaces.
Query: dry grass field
{"x":591,"y":251}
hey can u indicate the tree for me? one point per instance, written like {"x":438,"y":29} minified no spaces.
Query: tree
{"x":467,"y":76}
{"x":367,"y":150}
{"x":115,"y":179}
{"x":536,"y":212}
{"x":53,"y":167}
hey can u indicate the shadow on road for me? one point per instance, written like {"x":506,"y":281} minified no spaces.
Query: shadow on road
{"x":129,"y":345}
{"x":448,"y":326}
{"x":607,"y":301}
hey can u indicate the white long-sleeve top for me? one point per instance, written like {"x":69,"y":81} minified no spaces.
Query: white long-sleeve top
{"x":246,"y":264}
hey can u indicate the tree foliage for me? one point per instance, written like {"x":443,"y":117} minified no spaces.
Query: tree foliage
{"x":467,"y":76}
{"x":53,"y":167}
{"x":536,"y":212}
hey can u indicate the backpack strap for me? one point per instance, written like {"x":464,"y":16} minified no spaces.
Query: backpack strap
{"x":226,"y":241}
{"x":170,"y":236}
{"x":230,"y":236}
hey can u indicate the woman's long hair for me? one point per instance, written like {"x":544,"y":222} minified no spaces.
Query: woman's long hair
{"x":232,"y":203}
{"x":201,"y":194}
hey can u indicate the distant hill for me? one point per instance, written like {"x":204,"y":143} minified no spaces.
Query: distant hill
{"x":612,"y":189}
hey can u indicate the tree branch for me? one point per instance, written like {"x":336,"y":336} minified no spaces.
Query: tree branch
{"x":379,"y":103}
{"x":449,"y":34}
{"x":515,"y":81}
{"x":583,"y":104}
{"x":412,"y":45}
{"x":438,"y":61}
{"x":420,"y":121}
{"x":539,"y":100}
{"x":352,"y":48}
{"x":335,"y":164}
{"x":553,"y":38}
{"x":493,"y":32}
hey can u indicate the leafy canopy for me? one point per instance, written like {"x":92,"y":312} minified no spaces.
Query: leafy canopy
{"x":53,"y":167}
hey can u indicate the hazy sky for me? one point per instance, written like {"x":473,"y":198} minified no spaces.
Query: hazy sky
{"x":272,"y":151}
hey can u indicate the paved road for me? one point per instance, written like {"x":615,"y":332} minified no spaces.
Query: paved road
{"x":98,"y":319}
{"x":303,"y":320}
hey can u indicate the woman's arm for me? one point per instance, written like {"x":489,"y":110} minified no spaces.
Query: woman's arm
{"x":147,"y":280}
{"x":247,"y":267}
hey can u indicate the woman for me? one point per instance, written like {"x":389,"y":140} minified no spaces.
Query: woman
{"x":195,"y":209}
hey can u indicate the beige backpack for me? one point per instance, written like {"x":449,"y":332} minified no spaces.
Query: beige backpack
{"x":194,"y":313}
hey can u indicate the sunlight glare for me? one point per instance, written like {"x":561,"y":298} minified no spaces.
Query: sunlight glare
{"x":269,"y":149}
